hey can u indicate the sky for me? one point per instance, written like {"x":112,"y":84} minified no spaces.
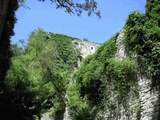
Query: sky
{"x":36,"y":14}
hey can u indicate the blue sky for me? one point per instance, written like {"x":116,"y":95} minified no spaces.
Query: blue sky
{"x":45,"y":16}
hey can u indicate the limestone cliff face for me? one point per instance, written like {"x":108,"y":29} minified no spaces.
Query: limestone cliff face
{"x":126,"y":110}
{"x":86,"y":47}
{"x":142,"y":106}
{"x":47,"y":117}
{"x":149,"y":99}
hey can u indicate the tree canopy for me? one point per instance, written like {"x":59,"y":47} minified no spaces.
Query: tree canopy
{"x":40,"y":73}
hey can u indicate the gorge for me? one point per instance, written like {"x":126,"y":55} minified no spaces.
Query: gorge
{"x":58,"y":77}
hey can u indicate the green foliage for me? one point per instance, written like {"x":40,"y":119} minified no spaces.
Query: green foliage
{"x":79,"y":106}
{"x":153,"y":8}
{"x":142,"y":40}
{"x":134,"y":26}
{"x":120,"y":76}
{"x":89,"y":74}
{"x":16,"y":50}
{"x":43,"y":71}
{"x":44,"y":74}
{"x":107,"y":50}
{"x":89,"y":78}
{"x":102,"y":78}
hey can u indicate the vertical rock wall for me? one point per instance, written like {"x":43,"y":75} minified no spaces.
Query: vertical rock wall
{"x":66,"y":114}
{"x":123,"y":111}
{"x":145,"y":106}
{"x":120,"y":54}
{"x":149,"y":98}
{"x":85,"y":47}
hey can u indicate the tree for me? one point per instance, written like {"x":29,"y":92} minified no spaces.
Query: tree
{"x":38,"y":76}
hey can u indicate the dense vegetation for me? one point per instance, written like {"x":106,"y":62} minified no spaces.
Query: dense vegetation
{"x":105,"y":82}
{"x":101,"y":77}
{"x":43,"y":76}
{"x":8,"y":19}
{"x":143,"y":40}
{"x":40,"y":73}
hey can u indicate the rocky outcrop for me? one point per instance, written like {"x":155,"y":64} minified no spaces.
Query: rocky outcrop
{"x":120,"y":54}
{"x":143,"y":106}
{"x":85,"y":47}
{"x":126,"y":110}
{"x":149,"y":99}
{"x":47,"y":117}
{"x":66,"y":114}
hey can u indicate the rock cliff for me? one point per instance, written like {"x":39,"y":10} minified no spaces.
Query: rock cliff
{"x":121,"y":81}
{"x":86,"y":47}
{"x":143,"y":105}
{"x":140,"y":102}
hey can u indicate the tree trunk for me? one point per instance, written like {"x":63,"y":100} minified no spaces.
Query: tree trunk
{"x":7,"y":21}
{"x":3,"y":14}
